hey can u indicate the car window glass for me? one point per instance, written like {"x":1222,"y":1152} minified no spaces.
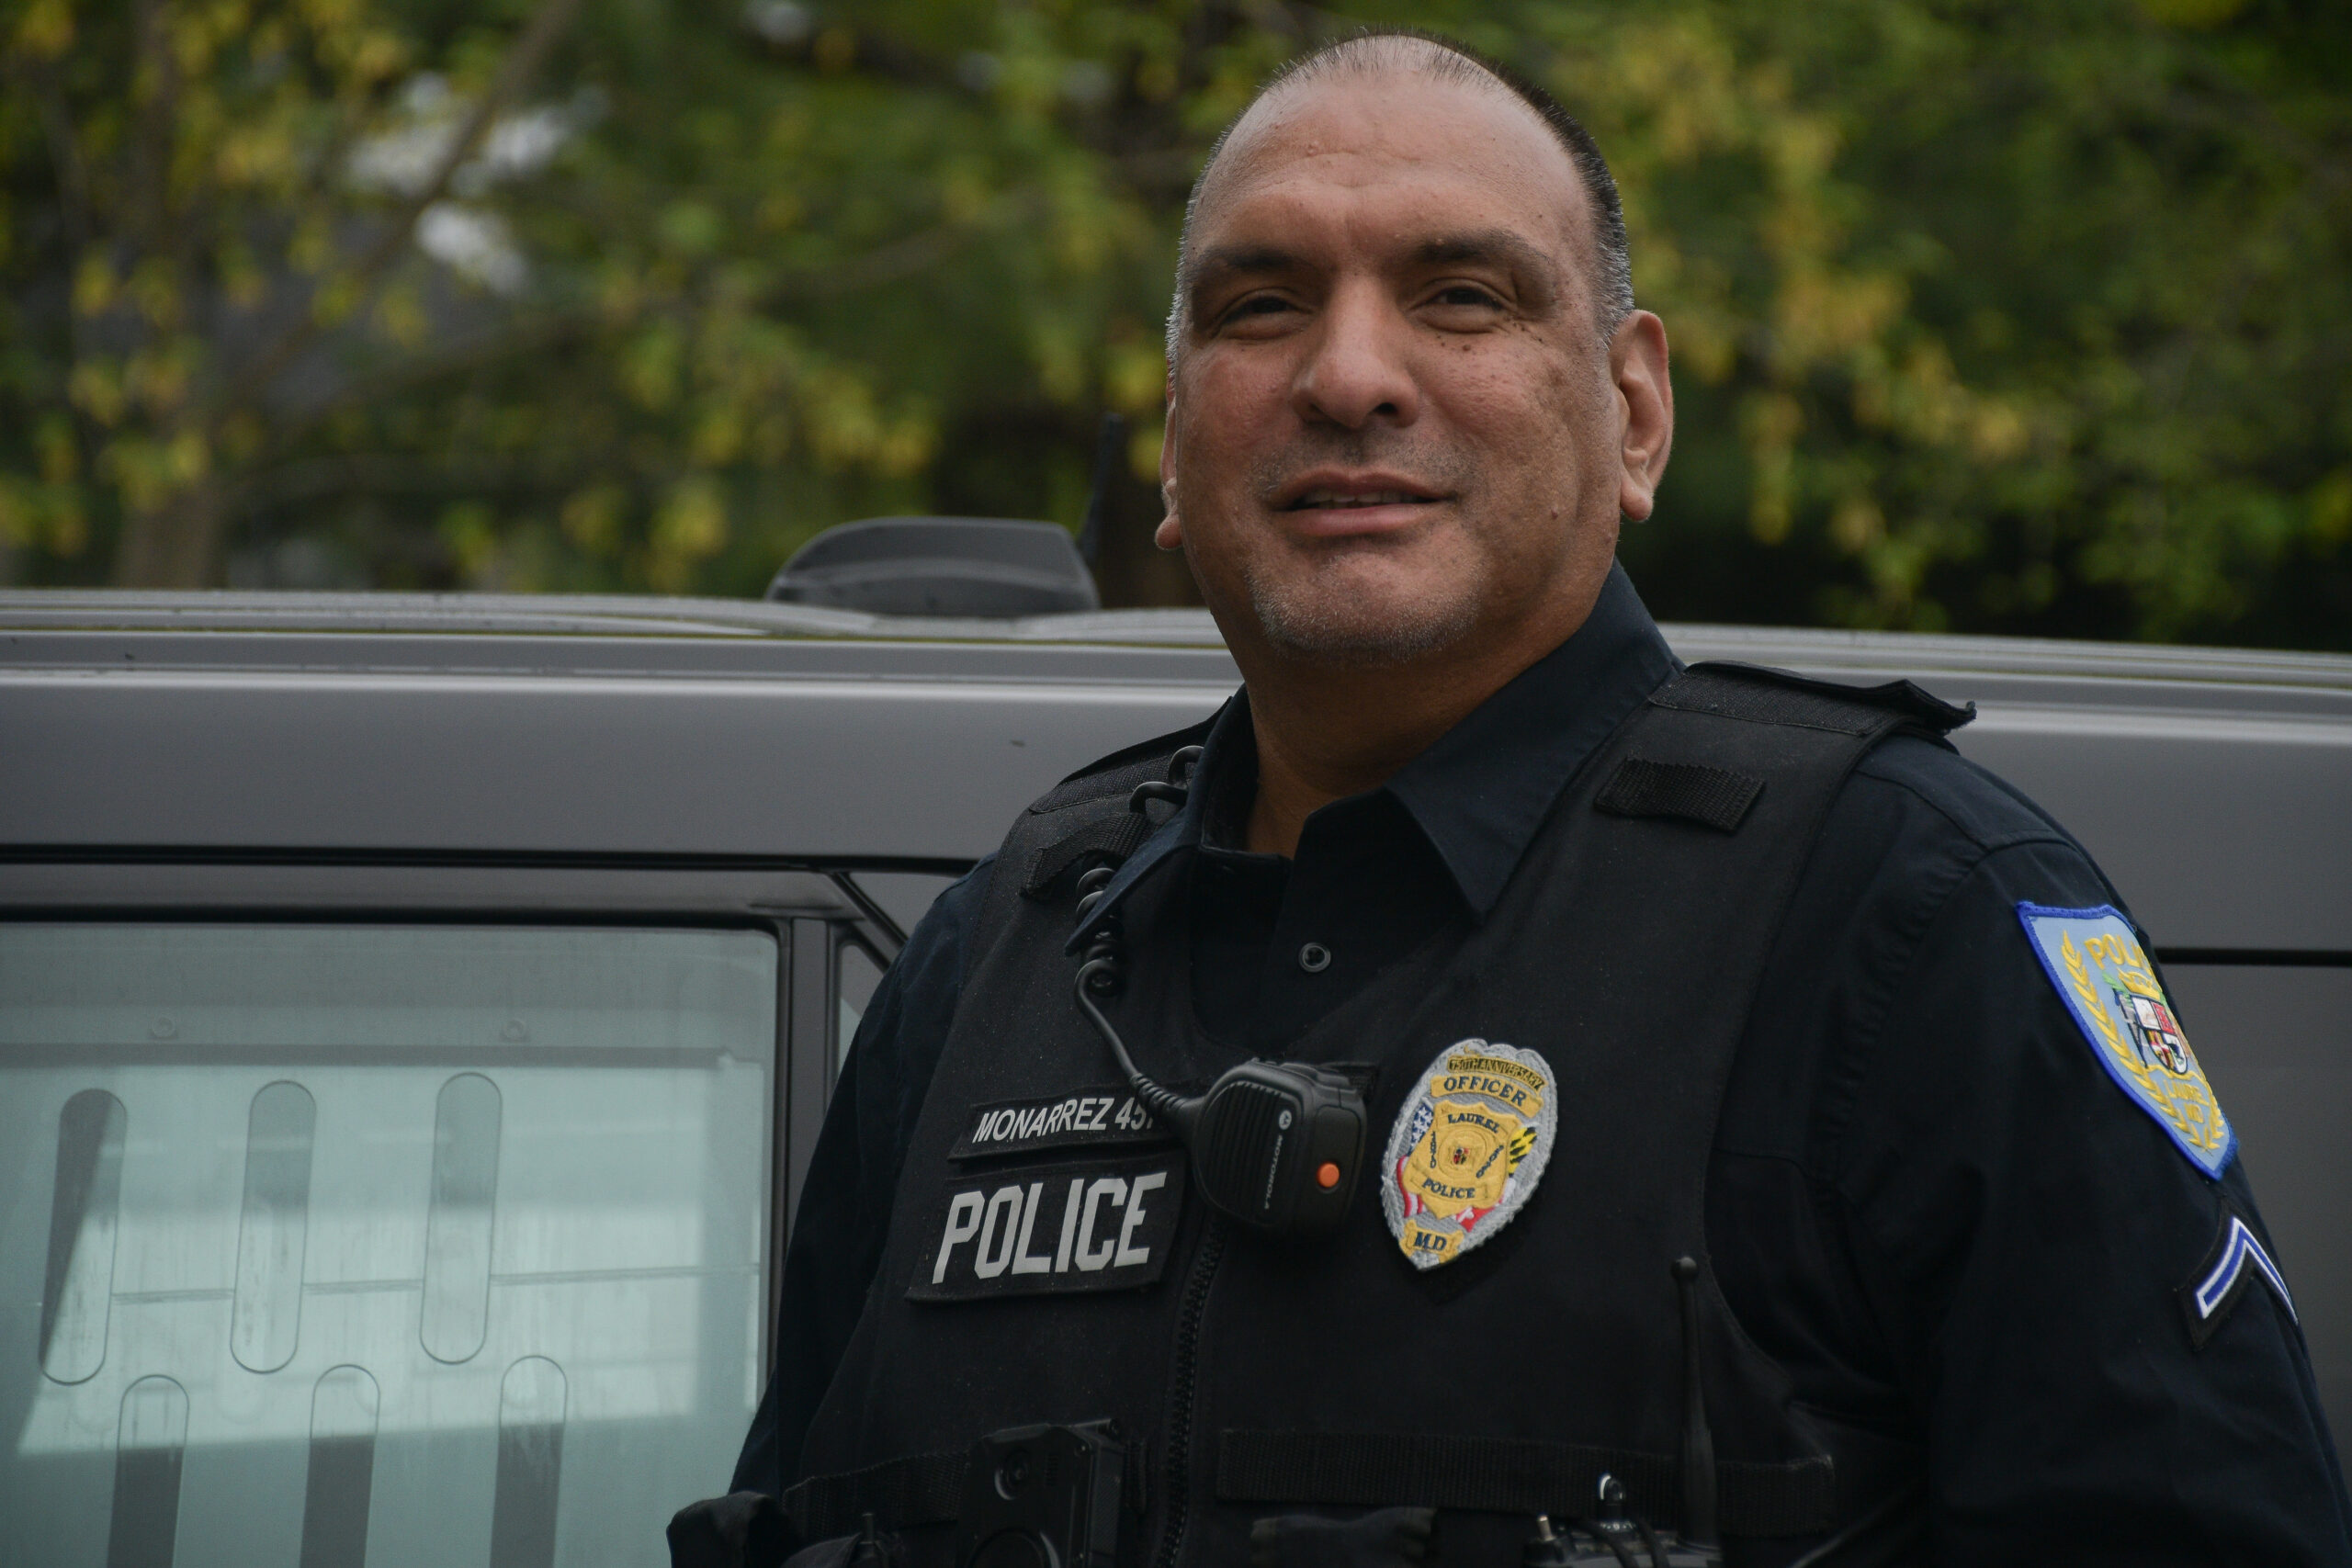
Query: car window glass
{"x":905,"y":896}
{"x":376,"y":1244}
{"x":855,"y":974}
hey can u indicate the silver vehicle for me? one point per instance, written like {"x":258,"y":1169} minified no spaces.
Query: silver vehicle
{"x":416,"y":1013}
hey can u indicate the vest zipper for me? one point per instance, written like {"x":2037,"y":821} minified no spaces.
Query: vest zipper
{"x":1182,"y":1390}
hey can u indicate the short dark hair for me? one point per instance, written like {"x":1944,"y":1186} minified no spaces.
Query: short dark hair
{"x":1371,"y":50}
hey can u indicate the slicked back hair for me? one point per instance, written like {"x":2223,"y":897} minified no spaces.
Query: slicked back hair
{"x":1412,"y":52}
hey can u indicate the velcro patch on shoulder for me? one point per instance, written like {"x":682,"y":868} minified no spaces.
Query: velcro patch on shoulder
{"x":1104,"y":1113}
{"x":2237,"y":1260}
{"x":1713,"y":797}
{"x":1103,"y":1224}
{"x":2095,"y":963}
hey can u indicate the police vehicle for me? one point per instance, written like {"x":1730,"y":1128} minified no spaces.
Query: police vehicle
{"x":417,"y":1012}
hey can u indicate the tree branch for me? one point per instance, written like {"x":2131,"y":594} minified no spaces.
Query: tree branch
{"x":521,"y":64}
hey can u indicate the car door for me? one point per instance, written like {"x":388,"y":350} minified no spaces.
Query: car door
{"x":362,"y":1213}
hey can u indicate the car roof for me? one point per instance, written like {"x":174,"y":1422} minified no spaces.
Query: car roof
{"x":2209,"y":782}
{"x":744,"y":620}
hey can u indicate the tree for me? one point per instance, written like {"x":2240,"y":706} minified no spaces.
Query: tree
{"x":1987,"y":315}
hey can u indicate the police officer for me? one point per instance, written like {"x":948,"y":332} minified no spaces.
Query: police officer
{"x":1756,"y":1103}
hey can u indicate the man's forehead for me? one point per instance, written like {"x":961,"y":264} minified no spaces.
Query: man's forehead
{"x":1369,"y":133}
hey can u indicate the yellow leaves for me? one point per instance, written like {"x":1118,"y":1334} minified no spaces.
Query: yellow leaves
{"x":965,"y":196}
{"x":778,"y":212}
{"x":339,"y":294}
{"x":689,"y":527}
{"x":2329,"y":507}
{"x":717,"y":434}
{"x":95,"y":386}
{"x":1857,"y":524}
{"x":1769,"y":422}
{"x":592,"y":518}
{"x":470,"y":529}
{"x":44,"y":31}
{"x":1819,"y":316}
{"x":2192,"y":16}
{"x":1997,"y":432}
{"x":1059,"y":349}
{"x":1135,"y":374}
{"x":1156,"y":81}
{"x":54,"y":448}
{"x":156,"y":379}
{"x":834,"y":52}
{"x":150,"y":470}
{"x":243,"y":281}
{"x":94,"y":284}
{"x":650,"y":364}
{"x":263,"y":154}
{"x":155,"y":288}
{"x":401,"y":315}
{"x":691,"y":228}
{"x":1678,"y":73}
{"x":311,"y":246}
{"x":40,"y":515}
{"x":375,"y":55}
{"x":1143,"y":450}
{"x":243,"y":436}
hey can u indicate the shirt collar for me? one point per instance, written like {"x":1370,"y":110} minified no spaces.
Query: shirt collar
{"x":1481,"y":791}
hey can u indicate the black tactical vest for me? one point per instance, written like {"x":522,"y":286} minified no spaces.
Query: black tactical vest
{"x":1044,"y":1264}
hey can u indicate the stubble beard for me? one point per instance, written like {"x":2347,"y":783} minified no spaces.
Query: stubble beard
{"x":1315,"y":613}
{"x":1311,"y":618}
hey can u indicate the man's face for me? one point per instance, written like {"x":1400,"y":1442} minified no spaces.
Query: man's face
{"x":1393,"y":424}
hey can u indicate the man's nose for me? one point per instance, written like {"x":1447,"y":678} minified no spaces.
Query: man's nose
{"x":1357,"y":370}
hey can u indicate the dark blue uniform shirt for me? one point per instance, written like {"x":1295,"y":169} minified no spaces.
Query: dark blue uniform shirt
{"x":1927,"y":1200}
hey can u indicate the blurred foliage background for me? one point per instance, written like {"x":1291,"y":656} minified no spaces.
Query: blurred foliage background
{"x":2006,"y":315}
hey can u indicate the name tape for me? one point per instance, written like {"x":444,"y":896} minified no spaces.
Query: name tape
{"x":1080,"y":1118}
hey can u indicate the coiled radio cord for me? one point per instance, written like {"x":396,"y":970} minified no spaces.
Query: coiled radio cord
{"x":1274,"y":1146}
{"x":1101,"y":971}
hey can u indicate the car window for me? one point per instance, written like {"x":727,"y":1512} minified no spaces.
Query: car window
{"x":905,"y":896}
{"x":855,"y":974}
{"x":375,"y":1244}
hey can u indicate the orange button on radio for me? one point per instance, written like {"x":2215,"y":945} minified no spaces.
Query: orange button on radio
{"x":1327,"y":1175}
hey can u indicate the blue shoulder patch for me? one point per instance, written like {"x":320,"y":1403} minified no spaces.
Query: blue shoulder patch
{"x":2095,"y":962}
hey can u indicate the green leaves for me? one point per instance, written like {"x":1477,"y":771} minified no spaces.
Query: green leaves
{"x":1985,"y":314}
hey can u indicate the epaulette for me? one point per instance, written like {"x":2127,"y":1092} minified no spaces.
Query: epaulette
{"x":1765,"y":696}
{"x":1121,"y":771}
{"x":1102,"y":836}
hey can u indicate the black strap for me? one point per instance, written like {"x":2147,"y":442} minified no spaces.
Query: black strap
{"x":1122,"y":770}
{"x":1761,"y":695}
{"x":1109,"y":838}
{"x":901,"y":1494}
{"x":1512,"y":1475}
{"x":1718,"y":798}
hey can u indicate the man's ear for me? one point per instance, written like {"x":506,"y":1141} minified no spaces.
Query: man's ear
{"x":1169,"y":535}
{"x":1637,"y":361}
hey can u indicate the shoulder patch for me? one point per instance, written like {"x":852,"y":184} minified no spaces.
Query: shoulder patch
{"x":2097,"y":965}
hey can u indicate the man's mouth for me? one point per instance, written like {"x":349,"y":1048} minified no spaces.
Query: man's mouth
{"x":1332,"y":500}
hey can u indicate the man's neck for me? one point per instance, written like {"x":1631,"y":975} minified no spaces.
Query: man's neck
{"x":1327,"y":731}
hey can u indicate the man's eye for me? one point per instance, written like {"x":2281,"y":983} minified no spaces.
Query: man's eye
{"x":1465,"y":294}
{"x":1257,"y":305}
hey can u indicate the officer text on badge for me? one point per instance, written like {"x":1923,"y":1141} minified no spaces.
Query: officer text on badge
{"x":1104,"y":1224}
